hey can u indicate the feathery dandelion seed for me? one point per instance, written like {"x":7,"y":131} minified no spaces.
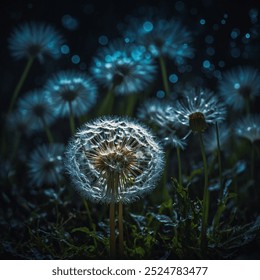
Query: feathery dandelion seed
{"x":116,"y":152}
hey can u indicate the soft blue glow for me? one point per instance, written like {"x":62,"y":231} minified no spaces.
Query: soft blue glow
{"x":148,"y":26}
{"x":247,"y":36}
{"x":209,"y":39}
{"x":210,"y":51}
{"x":75,"y":59}
{"x":202,"y":21}
{"x":103,"y":40}
{"x":223,"y":21}
{"x":160,"y":94}
{"x":235,"y":33}
{"x":236,"y":86}
{"x":235,"y":52}
{"x":70,"y":22}
{"x":173,"y":78}
{"x":221,"y":63}
{"x":206,"y":64}
{"x":179,"y":6}
{"x":127,"y":40}
{"x":65,"y":49}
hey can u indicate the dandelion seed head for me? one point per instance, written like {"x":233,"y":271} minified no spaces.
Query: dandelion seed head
{"x":34,"y":39}
{"x":161,"y":37}
{"x":114,"y":159}
{"x":249,"y":128}
{"x":35,"y":109}
{"x":45,"y":165}
{"x":126,"y":67}
{"x":71,"y":88}
{"x":199,"y":109}
{"x":160,"y":113}
{"x":239,"y":84}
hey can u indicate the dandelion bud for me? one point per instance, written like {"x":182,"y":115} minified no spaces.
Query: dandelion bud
{"x":197,"y":122}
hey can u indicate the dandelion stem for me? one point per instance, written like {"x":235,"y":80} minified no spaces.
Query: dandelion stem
{"x":131,"y":101}
{"x":107,"y":104}
{"x":219,"y":164}
{"x":252,"y":162}
{"x":247,"y":104}
{"x":121,"y":229}
{"x":21,"y":82}
{"x":164,"y":75}
{"x":205,"y":205}
{"x":112,"y":240}
{"x":71,"y":118}
{"x":16,"y":145}
{"x":179,"y":165}
{"x":48,"y":132}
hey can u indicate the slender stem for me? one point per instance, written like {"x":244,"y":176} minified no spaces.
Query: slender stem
{"x":16,"y":145}
{"x":71,"y":118}
{"x":121,"y":230}
{"x":247,"y":104}
{"x":112,"y":240}
{"x":21,"y":82}
{"x":164,"y":75}
{"x":219,"y":164}
{"x":48,"y":132}
{"x":252,"y":163}
{"x":107,"y":104}
{"x":131,"y":101}
{"x":179,"y":165}
{"x":205,"y":205}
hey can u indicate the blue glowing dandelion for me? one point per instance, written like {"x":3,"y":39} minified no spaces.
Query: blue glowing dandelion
{"x":199,"y":108}
{"x":238,"y":85}
{"x":71,"y":91}
{"x":114,"y":160}
{"x":35,"y":40}
{"x":125,"y":67}
{"x":249,"y":128}
{"x":161,"y":37}
{"x":36,"y":110}
{"x":45,"y":165}
{"x":160,"y":113}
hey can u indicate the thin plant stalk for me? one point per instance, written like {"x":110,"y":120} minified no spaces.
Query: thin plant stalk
{"x":71,"y":119}
{"x":90,"y":219}
{"x":219,"y":164}
{"x":252,"y":162}
{"x":121,"y":229}
{"x":112,"y":240}
{"x":21,"y":82}
{"x":164,"y":75}
{"x":205,"y":205}
{"x":108,"y":102}
{"x":48,"y":132}
{"x":131,"y":101}
{"x":179,"y":165}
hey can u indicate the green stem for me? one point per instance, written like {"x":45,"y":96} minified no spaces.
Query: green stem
{"x":21,"y":82}
{"x":16,"y":145}
{"x":252,"y":163}
{"x":107,"y":104}
{"x":112,"y":240}
{"x":130,"y":104}
{"x":205,"y":205}
{"x":179,"y":165}
{"x":247,"y":104}
{"x":71,"y":118}
{"x":121,"y":230}
{"x":219,"y":165}
{"x":48,"y":132}
{"x":164,"y":75}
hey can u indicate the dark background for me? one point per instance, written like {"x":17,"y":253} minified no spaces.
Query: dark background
{"x":96,"y":18}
